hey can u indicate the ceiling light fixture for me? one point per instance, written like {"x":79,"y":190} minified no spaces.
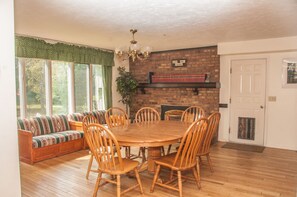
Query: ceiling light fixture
{"x":135,"y":51}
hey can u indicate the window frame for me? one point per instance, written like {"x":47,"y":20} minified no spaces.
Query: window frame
{"x":49,"y":88}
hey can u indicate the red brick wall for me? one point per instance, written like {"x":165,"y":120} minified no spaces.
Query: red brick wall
{"x":199,"y":61}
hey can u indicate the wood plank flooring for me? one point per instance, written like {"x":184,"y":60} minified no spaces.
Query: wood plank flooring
{"x":236,"y":173}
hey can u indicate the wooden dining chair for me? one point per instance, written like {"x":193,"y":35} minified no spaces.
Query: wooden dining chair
{"x":85,"y":122}
{"x":192,"y":113}
{"x":147,"y":114}
{"x":174,"y":114}
{"x":116,"y":117}
{"x":100,"y":140}
{"x":213,"y":120}
{"x":185,"y":158}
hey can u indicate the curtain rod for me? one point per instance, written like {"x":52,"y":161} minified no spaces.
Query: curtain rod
{"x":53,"y":41}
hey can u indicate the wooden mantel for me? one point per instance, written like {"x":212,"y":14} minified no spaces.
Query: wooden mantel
{"x":195,"y":86}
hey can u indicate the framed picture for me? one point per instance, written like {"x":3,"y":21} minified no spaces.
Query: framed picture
{"x":289,"y":76}
{"x":179,"y":62}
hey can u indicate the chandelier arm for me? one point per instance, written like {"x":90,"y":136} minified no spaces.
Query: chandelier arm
{"x":135,"y":52}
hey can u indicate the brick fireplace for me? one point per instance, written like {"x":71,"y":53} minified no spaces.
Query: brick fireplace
{"x":199,"y":61}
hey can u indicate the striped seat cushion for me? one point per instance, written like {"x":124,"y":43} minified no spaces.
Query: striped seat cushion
{"x":56,"y":138}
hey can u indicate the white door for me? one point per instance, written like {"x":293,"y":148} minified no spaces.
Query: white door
{"x":247,"y":101}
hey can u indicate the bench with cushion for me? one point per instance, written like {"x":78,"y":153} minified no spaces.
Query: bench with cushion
{"x":46,"y":137}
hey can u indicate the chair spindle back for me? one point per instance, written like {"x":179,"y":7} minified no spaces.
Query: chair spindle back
{"x":193,"y":113}
{"x":213,"y":124}
{"x":88,"y":119}
{"x":115,"y":117}
{"x":147,"y":114}
{"x":104,"y":146}
{"x":191,"y":143}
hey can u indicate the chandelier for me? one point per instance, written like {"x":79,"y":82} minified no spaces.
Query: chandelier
{"x":135,"y":51}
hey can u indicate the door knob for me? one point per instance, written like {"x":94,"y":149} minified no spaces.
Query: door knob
{"x":261,"y":107}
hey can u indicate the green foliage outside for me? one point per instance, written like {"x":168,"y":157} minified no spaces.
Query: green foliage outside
{"x":36,"y":90}
{"x":80,"y":87}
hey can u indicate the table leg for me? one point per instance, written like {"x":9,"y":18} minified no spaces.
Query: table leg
{"x":153,"y":153}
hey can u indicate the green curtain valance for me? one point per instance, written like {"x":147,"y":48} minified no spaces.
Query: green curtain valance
{"x":35,"y":48}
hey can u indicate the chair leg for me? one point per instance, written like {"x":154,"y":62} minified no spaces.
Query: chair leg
{"x":180,"y":188}
{"x":89,"y":166}
{"x":162,"y":151}
{"x":127,"y":152}
{"x":155,"y":178}
{"x":97,"y":184}
{"x":197,"y":178}
{"x":118,"y":185}
{"x":143,"y":154}
{"x":198,"y":171}
{"x":168,"y":150}
{"x":138,"y":180}
{"x":200,"y":160}
{"x":171,"y":175}
{"x":139,"y":151}
{"x":209,"y":162}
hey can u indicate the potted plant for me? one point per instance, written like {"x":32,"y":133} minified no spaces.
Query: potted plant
{"x":126,"y":86}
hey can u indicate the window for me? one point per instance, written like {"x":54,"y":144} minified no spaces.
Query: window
{"x":97,"y":98}
{"x":60,"y":87}
{"x":35,"y":87}
{"x":45,"y":87}
{"x":81,"y":75}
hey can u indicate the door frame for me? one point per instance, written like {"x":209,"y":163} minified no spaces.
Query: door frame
{"x":249,"y":57}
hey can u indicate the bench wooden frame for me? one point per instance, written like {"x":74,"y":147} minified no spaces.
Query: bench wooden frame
{"x":31,"y":155}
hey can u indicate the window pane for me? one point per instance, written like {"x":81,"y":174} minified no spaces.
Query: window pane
{"x":35,"y":87}
{"x":60,"y":87}
{"x":98,"y":98}
{"x":17,"y":84}
{"x":81,"y":87}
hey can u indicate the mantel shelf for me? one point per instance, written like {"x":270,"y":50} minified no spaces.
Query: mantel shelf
{"x":195,"y":86}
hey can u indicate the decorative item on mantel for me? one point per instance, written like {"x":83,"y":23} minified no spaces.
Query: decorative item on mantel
{"x":179,"y":62}
{"x":135,"y":51}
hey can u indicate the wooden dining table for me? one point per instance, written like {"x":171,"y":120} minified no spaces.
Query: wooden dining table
{"x":152,"y":135}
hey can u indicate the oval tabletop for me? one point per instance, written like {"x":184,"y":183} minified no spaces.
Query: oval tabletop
{"x":150,"y":134}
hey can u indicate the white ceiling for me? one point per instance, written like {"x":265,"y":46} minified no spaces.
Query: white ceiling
{"x":162,"y":24}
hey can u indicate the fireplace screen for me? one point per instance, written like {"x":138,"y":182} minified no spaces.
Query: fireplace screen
{"x":246,"y":128}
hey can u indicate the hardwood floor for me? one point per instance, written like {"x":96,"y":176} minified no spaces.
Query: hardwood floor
{"x":236,"y":173}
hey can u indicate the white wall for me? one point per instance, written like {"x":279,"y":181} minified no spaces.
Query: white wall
{"x":9,"y":159}
{"x":280,"y":116}
{"x":115,"y":95}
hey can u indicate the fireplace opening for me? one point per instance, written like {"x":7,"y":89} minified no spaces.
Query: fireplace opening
{"x":165,"y":108}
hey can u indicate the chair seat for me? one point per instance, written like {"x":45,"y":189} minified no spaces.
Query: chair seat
{"x":128,"y":165}
{"x":168,"y":160}
{"x":56,"y":138}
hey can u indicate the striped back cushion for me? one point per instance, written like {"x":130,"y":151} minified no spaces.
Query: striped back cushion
{"x":44,"y":124}
{"x":75,"y":117}
{"x":24,"y":124}
{"x":37,"y":125}
{"x":60,"y":123}
{"x":99,"y":114}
